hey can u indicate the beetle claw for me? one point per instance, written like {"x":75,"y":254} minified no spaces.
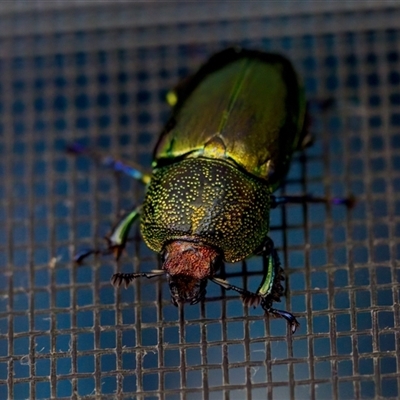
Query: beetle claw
{"x":116,"y":280}
{"x":81,"y":255}
{"x":290,"y":318}
{"x":119,"y":278}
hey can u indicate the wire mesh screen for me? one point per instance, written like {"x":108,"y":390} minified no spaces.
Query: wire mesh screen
{"x":98,"y":73}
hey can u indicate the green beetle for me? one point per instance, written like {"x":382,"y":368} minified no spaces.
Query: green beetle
{"x":226,"y":148}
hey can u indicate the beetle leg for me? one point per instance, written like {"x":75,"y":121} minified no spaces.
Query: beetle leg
{"x":119,"y":234}
{"x":108,"y":161}
{"x":270,"y":289}
{"x":271,"y":283}
{"x":119,"y":278}
{"x":279,"y":200}
{"x":116,"y":239}
{"x":254,"y":299}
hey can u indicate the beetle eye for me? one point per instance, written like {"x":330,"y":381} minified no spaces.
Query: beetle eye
{"x":164,"y":257}
{"x":216,"y":263}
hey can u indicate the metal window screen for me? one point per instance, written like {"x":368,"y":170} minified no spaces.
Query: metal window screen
{"x":99,"y":72}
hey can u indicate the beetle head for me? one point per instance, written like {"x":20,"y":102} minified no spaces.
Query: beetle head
{"x":188,"y":266}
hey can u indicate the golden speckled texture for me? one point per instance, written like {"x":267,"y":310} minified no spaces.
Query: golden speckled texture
{"x":207,"y":201}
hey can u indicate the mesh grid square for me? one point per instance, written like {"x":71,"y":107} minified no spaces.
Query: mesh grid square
{"x":65,"y":332}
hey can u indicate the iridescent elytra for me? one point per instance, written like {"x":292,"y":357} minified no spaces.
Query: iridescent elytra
{"x":225,"y":149}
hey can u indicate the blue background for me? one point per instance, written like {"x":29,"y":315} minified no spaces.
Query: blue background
{"x":65,"y":332}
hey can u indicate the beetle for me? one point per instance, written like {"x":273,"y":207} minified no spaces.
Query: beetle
{"x":223,"y":152}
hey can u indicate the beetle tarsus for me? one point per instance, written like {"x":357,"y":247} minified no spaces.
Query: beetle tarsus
{"x":120,"y":278}
{"x":111,"y":162}
{"x":76,"y":148}
{"x":83,"y":254}
{"x":349,"y":201}
{"x":227,"y":286}
{"x":290,"y":318}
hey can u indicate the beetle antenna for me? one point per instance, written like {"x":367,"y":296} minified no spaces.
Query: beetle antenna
{"x":120,"y":277}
